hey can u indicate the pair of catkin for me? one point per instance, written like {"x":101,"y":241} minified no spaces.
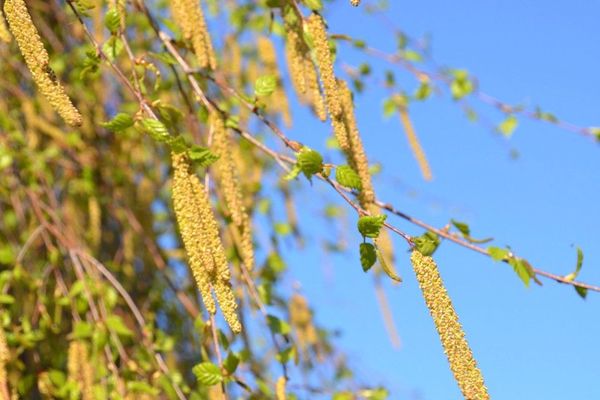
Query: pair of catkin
{"x":200,"y":234}
{"x":461,"y":360}
{"x":301,"y":67}
{"x":37,"y":60}
{"x":80,"y":369}
{"x":278,"y":100}
{"x":189,"y":16}
{"x":228,"y":180}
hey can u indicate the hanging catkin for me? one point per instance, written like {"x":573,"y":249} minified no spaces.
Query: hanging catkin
{"x":354,"y":149}
{"x":452,"y":336}
{"x":415,"y":145}
{"x":189,"y":16}
{"x":200,"y":235}
{"x":4,"y":357}
{"x":316,"y":27}
{"x":4,"y":33}
{"x":37,"y":60}
{"x":80,"y":370}
{"x":228,"y":179}
{"x":278,"y":100}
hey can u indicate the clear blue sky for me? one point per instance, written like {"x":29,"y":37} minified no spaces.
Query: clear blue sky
{"x":536,"y":343}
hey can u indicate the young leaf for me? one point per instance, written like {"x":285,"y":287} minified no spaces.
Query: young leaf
{"x":277,"y":325}
{"x":265,"y":85}
{"x":508,"y":126}
{"x":427,"y":243}
{"x":571,"y":277}
{"x":156,"y":129}
{"x":310,"y":162}
{"x":231,"y":362}
{"x":119,"y":122}
{"x":347,"y":177}
{"x":208,"y":374}
{"x":522,"y":268}
{"x":462,"y":227}
{"x":370,"y":225}
{"x":498,"y":254}
{"x":368,"y":256}
{"x":112,"y":20}
{"x":201,"y":156}
{"x":581,"y":291}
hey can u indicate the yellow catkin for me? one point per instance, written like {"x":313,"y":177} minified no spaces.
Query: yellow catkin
{"x":189,"y":16}
{"x":295,"y":59}
{"x":233,"y":66}
{"x":452,"y":336}
{"x":37,"y":60}
{"x":314,"y":90}
{"x":316,"y":27}
{"x":301,"y":320}
{"x":280,"y":388}
{"x":278,"y":100}
{"x":415,"y":145}
{"x":200,"y":235}
{"x":228,"y":178}
{"x":355,"y":151}
{"x":4,"y":358}
{"x":4,"y":33}
{"x":80,"y":369}
{"x":95,"y":222}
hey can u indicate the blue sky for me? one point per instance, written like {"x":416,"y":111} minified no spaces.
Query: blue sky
{"x":531,"y":343}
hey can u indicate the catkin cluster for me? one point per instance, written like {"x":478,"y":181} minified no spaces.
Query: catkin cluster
{"x":301,"y":67}
{"x":228,"y":179}
{"x":200,"y":235}
{"x":301,"y":320}
{"x":80,"y":369}
{"x":37,"y":60}
{"x":415,"y":145}
{"x":189,"y":16}
{"x":452,"y":336}
{"x":278,"y":100}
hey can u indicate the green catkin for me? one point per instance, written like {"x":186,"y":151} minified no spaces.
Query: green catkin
{"x":316,"y":27}
{"x":188,"y":14}
{"x":461,"y":360}
{"x":415,"y":145}
{"x":37,"y":60}
{"x":228,"y":178}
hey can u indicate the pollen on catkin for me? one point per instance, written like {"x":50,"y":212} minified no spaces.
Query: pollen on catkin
{"x":415,"y":145}
{"x":4,"y":357}
{"x":461,"y":360}
{"x":189,"y":16}
{"x":4,"y":33}
{"x":354,"y":150}
{"x":37,"y":60}
{"x":80,"y":369}
{"x":316,"y":27}
{"x":200,"y":235}
{"x":228,"y":180}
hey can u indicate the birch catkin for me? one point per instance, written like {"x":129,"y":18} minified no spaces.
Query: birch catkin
{"x":80,"y":370}
{"x":31,"y":47}
{"x":228,"y":179}
{"x":188,"y":14}
{"x":4,"y":357}
{"x":316,"y":27}
{"x":4,"y":33}
{"x":200,"y":235}
{"x":415,"y":145}
{"x":452,"y":336}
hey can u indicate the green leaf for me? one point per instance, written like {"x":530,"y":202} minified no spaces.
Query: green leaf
{"x":265,"y":85}
{"x":116,"y":324}
{"x":6,"y":299}
{"x":462,"y":227}
{"x":142,"y":387}
{"x":368,"y":256}
{"x":82,"y":330}
{"x":581,"y":291}
{"x":208,"y":374}
{"x":347,"y":177}
{"x":461,"y":85}
{"x":508,"y":126}
{"x":412,"y":55}
{"x":156,"y":129}
{"x":571,"y":277}
{"x":231,"y":362}
{"x":498,"y":254}
{"x":374,"y":394}
{"x":286,"y":354}
{"x":119,"y":122}
{"x":309,"y":161}
{"x":522,"y":268}
{"x":427,"y":243}
{"x":389,"y":107}
{"x":370,"y":225}
{"x":277,"y":325}
{"x":112,"y":48}
{"x":112,"y":20}
{"x":293,"y":174}
{"x":201,"y":156}
{"x":423,"y":91}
